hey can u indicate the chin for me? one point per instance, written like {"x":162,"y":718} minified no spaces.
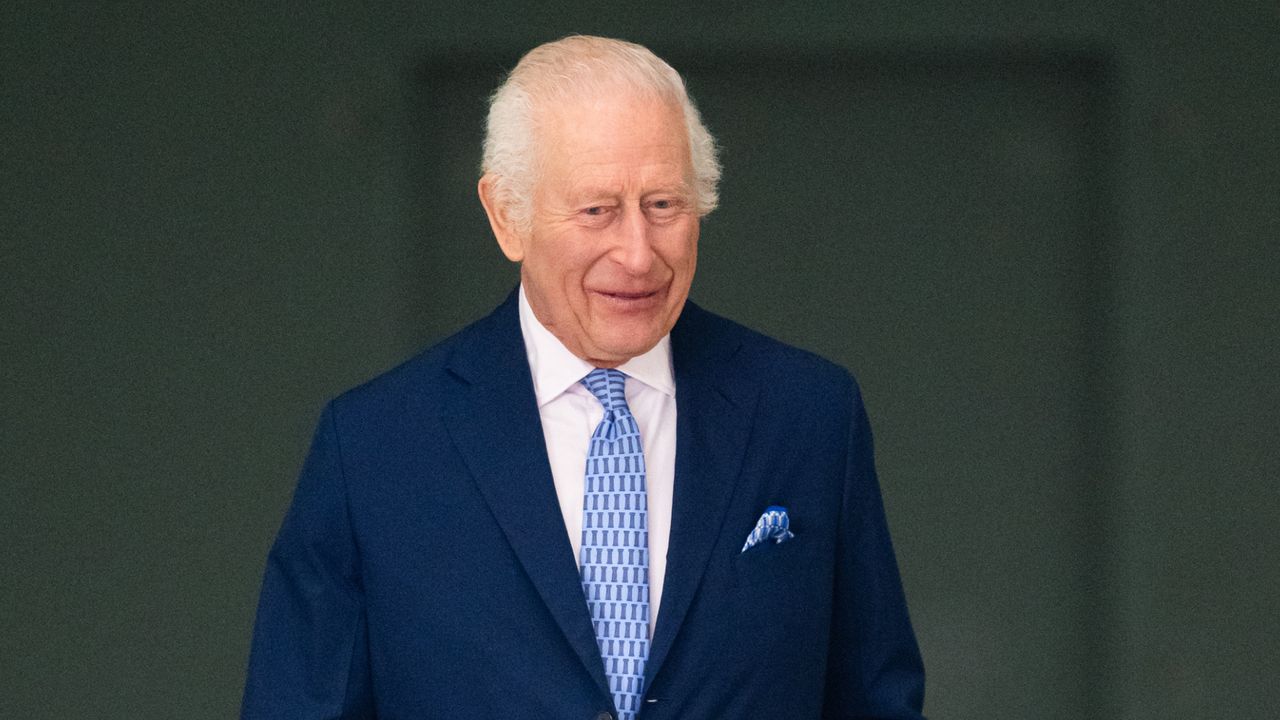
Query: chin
{"x":627,"y":347}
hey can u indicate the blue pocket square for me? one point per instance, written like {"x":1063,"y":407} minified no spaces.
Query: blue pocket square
{"x":774,"y":525}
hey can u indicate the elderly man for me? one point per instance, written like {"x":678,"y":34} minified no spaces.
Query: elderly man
{"x":600,"y":501}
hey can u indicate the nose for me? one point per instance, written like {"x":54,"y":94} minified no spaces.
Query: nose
{"x":634,"y":247}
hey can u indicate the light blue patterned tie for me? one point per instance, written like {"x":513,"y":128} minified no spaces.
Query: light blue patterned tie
{"x":615,"y":542}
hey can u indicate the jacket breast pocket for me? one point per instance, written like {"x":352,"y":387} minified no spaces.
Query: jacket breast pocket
{"x":771,"y":566}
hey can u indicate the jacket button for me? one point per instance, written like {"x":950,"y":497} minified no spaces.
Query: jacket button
{"x":605,"y":716}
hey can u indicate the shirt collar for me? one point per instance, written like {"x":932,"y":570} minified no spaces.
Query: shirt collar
{"x":555,"y":369}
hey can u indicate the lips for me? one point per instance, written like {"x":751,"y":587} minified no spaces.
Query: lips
{"x":629,"y":300}
{"x":627,"y":295}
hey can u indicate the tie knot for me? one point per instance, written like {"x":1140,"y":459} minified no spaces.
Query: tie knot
{"x":609,"y":387}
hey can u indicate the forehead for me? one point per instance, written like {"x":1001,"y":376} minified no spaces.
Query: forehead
{"x":628,"y":131}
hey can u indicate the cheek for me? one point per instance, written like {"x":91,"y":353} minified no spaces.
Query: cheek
{"x":679,"y":247}
{"x":575,"y":273}
{"x":561,"y":259}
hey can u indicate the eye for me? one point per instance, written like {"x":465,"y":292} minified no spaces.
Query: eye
{"x":596,"y":215}
{"x":665,"y":208}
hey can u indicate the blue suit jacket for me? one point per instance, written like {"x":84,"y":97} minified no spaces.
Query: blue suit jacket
{"x":423,"y":569}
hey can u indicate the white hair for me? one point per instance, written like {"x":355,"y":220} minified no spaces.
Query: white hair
{"x":579,"y":66}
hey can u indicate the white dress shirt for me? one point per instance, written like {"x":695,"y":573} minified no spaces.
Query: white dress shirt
{"x":570,"y":414}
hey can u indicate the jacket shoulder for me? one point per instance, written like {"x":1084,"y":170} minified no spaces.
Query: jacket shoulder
{"x":415,"y":375}
{"x":767,"y":361}
{"x":423,"y":380}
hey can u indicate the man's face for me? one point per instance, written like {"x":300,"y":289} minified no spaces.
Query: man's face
{"x":612,"y":248}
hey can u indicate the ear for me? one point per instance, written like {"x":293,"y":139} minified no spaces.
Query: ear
{"x":510,"y":239}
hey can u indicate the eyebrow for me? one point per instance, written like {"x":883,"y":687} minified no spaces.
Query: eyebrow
{"x":587,"y":194}
{"x":681,"y":188}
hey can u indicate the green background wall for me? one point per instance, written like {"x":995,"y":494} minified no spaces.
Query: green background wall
{"x":1045,"y":238}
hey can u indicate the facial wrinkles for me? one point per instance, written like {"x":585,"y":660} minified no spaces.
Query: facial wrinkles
{"x":619,"y":178}
{"x":622,"y":159}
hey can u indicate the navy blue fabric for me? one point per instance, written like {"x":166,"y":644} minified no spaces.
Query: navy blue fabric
{"x":416,"y":576}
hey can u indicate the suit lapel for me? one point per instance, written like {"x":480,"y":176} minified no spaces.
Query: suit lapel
{"x":715,"y":413}
{"x":493,"y":420}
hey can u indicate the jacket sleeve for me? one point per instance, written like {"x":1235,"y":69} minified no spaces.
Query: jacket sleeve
{"x":874,"y":668}
{"x":310,"y":656}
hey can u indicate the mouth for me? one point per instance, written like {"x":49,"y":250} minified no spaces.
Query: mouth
{"x":627,"y":295}
{"x":629,"y":300}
